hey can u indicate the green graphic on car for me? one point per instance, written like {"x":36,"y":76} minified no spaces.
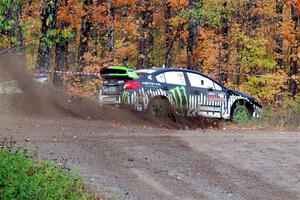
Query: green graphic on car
{"x":125,"y":96}
{"x":179,"y":95}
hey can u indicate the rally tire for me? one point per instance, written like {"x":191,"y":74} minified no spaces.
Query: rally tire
{"x":241,"y":115}
{"x":160,"y":107}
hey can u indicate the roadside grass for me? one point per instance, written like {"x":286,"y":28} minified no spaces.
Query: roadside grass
{"x":23,"y":177}
{"x":283,"y":115}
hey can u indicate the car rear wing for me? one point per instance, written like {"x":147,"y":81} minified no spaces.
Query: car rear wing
{"x":116,"y":72}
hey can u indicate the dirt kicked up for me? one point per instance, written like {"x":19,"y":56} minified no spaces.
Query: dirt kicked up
{"x":45,"y":101}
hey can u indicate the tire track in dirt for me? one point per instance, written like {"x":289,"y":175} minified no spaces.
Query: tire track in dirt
{"x":236,"y":180}
{"x":133,"y":163}
{"x":247,"y":183}
{"x":133,"y":170}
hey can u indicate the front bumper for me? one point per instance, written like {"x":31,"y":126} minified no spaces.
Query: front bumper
{"x":257,"y":113}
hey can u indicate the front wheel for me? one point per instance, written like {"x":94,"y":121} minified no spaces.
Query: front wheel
{"x":241,"y":115}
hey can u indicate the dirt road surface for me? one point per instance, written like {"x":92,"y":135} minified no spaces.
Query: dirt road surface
{"x":130,"y":162}
{"x":120,"y":159}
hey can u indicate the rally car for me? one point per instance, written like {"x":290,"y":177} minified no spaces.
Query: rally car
{"x":114,"y":78}
{"x":188,"y":92}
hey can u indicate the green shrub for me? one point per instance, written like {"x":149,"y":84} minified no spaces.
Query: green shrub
{"x":21,"y":177}
{"x":285,"y":114}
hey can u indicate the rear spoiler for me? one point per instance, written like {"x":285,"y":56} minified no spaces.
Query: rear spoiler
{"x":116,"y":72}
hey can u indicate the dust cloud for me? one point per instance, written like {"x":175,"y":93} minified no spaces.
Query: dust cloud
{"x":44,"y":101}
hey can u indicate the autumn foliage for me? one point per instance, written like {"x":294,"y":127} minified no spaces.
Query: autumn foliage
{"x":248,"y":45}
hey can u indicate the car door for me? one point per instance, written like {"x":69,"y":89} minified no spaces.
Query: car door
{"x":175,"y":83}
{"x":206,"y":97}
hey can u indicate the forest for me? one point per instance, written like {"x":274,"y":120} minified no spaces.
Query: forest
{"x":249,"y":45}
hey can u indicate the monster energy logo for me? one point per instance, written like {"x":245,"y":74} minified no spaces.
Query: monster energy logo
{"x":125,"y":96}
{"x":180,"y":96}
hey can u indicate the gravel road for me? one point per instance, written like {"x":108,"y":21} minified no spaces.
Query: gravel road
{"x":121,"y":160}
{"x":130,"y":162}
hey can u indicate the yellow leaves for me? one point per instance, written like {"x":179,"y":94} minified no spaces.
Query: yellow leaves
{"x":48,"y":21}
{"x":298,"y":54}
{"x":176,"y":21}
{"x":266,"y":87}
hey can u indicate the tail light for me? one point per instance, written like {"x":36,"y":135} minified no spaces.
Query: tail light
{"x":131,"y":85}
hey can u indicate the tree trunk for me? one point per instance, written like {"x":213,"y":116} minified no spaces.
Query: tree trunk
{"x":111,"y":32}
{"x":225,"y":53}
{"x":145,"y":38}
{"x":61,"y":62}
{"x":86,"y":26}
{"x":61,"y":52}
{"x":16,"y":33}
{"x":278,"y":37}
{"x":49,"y":16}
{"x":293,"y":88}
{"x":192,"y":37}
{"x":239,"y":47}
{"x":125,"y":58}
{"x":61,"y":59}
{"x":251,"y":20}
{"x":168,"y":33}
{"x":98,"y":34}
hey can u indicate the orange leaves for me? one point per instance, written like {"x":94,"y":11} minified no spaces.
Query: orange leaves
{"x":287,"y":31}
{"x":94,"y":60}
{"x":70,"y":12}
{"x":257,"y":19}
{"x":178,"y":3}
{"x":99,"y":14}
{"x":295,"y":3}
{"x":124,"y":2}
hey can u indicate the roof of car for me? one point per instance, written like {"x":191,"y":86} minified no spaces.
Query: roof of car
{"x":148,"y":71}
{"x":154,"y":69}
{"x":160,"y":70}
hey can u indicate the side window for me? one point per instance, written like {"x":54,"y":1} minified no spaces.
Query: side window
{"x":161,"y":78}
{"x":175,"y":77}
{"x":197,"y":80}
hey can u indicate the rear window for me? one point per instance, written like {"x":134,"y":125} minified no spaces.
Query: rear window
{"x":161,"y":78}
{"x":141,"y":74}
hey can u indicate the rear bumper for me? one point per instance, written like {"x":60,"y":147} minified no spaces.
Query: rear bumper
{"x":134,"y":101}
{"x":109,"y":99}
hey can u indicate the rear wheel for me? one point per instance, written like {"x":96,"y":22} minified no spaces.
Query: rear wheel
{"x":241,"y":115}
{"x":160,"y":107}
